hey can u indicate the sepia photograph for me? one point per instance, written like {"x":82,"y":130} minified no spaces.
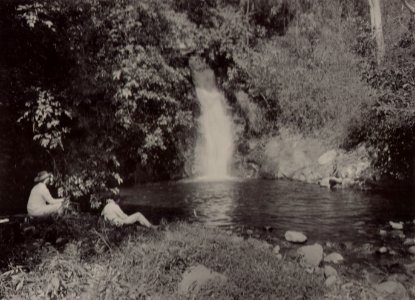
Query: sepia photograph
{"x":207,"y":149}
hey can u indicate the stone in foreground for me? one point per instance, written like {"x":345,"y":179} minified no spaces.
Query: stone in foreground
{"x":396,"y":225}
{"x":195,"y":277}
{"x":276,"y":249}
{"x":334,"y":257}
{"x":295,"y":237}
{"x":311,"y":255}
{"x":409,"y":242}
{"x":330,"y":280}
{"x":382,"y":250}
{"x":329,"y":271}
{"x":391,"y":290}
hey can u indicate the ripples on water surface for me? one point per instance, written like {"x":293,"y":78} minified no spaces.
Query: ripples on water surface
{"x":320,"y":213}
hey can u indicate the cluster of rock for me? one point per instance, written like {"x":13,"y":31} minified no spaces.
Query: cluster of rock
{"x":309,"y":160}
{"x":315,"y":260}
{"x":407,"y":241}
{"x":312,"y":257}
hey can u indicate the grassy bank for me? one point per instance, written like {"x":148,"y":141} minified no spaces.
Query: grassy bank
{"x":96,"y":261}
{"x":135,"y":263}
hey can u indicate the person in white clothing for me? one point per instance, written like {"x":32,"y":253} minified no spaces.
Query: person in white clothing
{"x":41,"y":203}
{"x":114,"y":214}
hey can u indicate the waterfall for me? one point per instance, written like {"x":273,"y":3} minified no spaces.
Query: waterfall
{"x":214,"y":149}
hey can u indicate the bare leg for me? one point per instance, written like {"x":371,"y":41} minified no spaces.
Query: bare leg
{"x":137,"y":217}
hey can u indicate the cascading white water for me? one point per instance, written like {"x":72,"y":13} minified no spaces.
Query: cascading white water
{"x":214,"y":148}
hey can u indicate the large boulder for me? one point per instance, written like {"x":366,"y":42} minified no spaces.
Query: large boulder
{"x":306,"y":159}
{"x":391,"y":290}
{"x":311,"y":255}
{"x":295,"y":237}
{"x":292,"y":155}
{"x":327,"y":157}
{"x":195,"y":277}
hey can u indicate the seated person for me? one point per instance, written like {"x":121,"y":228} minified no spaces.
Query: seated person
{"x":114,"y":214}
{"x":41,"y":203}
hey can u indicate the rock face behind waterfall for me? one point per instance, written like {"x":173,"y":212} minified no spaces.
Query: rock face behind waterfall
{"x":309,"y":160}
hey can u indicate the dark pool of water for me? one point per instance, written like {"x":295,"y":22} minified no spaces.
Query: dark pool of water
{"x":323,"y":215}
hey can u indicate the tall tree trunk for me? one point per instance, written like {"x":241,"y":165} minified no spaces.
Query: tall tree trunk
{"x":377,"y":31}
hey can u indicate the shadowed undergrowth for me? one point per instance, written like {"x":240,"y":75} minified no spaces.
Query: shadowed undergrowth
{"x":137,"y":263}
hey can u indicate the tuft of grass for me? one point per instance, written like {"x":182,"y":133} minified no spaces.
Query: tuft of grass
{"x":149,"y":264}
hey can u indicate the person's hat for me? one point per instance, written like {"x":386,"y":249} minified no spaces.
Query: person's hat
{"x":42,"y":176}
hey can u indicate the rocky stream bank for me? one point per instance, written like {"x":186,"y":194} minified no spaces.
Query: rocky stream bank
{"x":80,"y":256}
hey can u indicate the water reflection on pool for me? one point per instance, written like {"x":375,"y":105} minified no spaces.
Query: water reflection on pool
{"x":320,"y":213}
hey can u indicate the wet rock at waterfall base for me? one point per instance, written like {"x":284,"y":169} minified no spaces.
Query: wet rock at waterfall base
{"x":311,"y":255}
{"x":327,"y":157}
{"x":330,"y":182}
{"x":325,"y":182}
{"x":295,"y":237}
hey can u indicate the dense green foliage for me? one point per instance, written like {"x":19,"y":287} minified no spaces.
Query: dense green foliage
{"x":388,"y":124}
{"x":100,"y":91}
{"x":97,"y":84}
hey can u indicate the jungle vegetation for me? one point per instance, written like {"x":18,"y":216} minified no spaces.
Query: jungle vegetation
{"x":100,"y":91}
